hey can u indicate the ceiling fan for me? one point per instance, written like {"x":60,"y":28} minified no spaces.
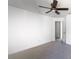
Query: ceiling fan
{"x":54,"y":7}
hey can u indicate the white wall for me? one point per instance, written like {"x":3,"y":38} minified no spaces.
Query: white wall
{"x":27,"y":29}
{"x":68,"y":29}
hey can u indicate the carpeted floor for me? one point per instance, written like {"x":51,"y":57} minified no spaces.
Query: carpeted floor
{"x":51,"y":50}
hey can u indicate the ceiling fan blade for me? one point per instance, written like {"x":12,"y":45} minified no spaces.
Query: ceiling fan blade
{"x":44,"y":7}
{"x":49,"y":11}
{"x":62,"y":9}
{"x":57,"y":12}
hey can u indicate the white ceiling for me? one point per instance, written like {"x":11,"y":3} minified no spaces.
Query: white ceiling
{"x":32,"y":5}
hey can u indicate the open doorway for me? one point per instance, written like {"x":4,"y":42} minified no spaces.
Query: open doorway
{"x":58,"y":30}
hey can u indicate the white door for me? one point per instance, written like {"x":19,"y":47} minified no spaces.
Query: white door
{"x":64,"y":31}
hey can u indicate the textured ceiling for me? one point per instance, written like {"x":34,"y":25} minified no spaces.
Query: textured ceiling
{"x":32,"y":5}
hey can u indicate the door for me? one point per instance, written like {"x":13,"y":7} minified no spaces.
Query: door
{"x":64,"y":31}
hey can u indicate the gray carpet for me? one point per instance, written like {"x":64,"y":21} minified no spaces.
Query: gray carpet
{"x":51,"y":50}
